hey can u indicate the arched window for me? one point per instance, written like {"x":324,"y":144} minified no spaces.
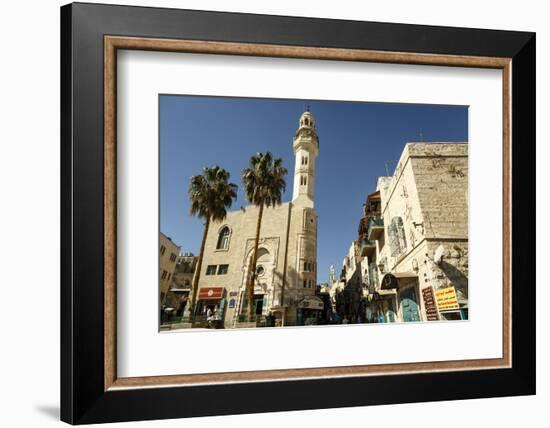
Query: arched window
{"x":396,"y":232}
{"x":223,"y":239}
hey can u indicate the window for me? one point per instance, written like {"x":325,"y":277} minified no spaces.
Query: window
{"x":305,"y":283}
{"x":169,"y":276}
{"x":396,"y":232}
{"x":304,"y":160}
{"x":222,"y":269}
{"x":260,"y":270}
{"x":173,"y":257}
{"x":223,"y":239}
{"x":211,"y":269}
{"x":162,"y":250}
{"x":164,"y":273}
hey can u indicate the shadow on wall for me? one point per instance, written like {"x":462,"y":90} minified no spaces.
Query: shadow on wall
{"x":290,"y":283}
{"x":456,"y":277}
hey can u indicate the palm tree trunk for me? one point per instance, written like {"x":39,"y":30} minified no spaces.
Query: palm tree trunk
{"x":250,"y":286}
{"x":198,"y":269}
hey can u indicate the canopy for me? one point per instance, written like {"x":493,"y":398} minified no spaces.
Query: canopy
{"x":391,"y":280}
{"x":311,"y":302}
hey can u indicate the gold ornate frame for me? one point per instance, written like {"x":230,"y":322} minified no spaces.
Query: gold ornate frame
{"x":113,"y":43}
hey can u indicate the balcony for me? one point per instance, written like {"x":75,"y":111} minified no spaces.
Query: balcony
{"x":367,"y":247}
{"x":375,"y":228}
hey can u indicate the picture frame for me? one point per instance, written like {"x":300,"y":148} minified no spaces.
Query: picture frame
{"x":91,"y":391}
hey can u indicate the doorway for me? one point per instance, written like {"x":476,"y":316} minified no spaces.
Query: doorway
{"x":409,"y":305}
{"x":258,"y":304}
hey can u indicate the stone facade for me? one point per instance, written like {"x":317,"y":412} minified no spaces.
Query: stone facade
{"x":168,"y":254}
{"x":425,"y":216}
{"x":413,"y":237}
{"x":182,"y":280}
{"x":287,"y":250}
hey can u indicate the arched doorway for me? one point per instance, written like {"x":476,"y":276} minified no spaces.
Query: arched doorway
{"x":264,"y":278}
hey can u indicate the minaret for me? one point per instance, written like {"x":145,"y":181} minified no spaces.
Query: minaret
{"x":306,"y":149}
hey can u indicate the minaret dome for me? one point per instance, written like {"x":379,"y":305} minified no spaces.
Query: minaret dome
{"x":307,"y":120}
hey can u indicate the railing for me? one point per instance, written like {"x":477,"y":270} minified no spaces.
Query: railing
{"x":366,"y":247}
{"x":374,"y":222}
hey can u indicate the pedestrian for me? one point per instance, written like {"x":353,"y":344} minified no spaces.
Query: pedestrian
{"x":181,"y":307}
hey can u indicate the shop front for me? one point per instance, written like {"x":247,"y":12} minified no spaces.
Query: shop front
{"x":405,"y":285}
{"x":210,"y":307}
{"x":309,"y":310}
{"x":381,"y":307}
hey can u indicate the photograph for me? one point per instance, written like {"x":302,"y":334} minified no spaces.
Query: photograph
{"x":325,"y":212}
{"x":290,"y":212}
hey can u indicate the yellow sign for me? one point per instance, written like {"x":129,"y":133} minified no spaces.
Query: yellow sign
{"x":446,"y":299}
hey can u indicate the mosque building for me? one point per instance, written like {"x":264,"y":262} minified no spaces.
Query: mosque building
{"x":287,"y":251}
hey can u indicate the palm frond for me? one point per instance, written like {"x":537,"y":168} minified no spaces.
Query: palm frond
{"x":264,"y":179}
{"x":211,"y":194}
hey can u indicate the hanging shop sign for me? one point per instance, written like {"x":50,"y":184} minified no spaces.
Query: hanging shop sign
{"x":206,"y":293}
{"x":429,"y":304}
{"x":389,"y":282}
{"x":446,"y":299}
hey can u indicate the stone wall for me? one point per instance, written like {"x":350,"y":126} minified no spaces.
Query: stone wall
{"x":429,"y":192}
{"x":169,"y":252}
{"x":288,"y":238}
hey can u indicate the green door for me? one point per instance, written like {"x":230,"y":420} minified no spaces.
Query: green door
{"x":409,"y":305}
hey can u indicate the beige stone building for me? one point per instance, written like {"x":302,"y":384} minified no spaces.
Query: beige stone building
{"x":168,"y":254}
{"x":287,"y":251}
{"x":182,"y":279}
{"x":417,"y":244}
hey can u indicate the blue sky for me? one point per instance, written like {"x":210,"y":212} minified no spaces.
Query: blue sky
{"x":355,"y":140}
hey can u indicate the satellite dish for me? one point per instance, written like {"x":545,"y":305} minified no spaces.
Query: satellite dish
{"x":438,"y":255}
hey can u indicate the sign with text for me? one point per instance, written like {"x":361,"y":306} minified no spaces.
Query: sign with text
{"x":429,"y":304}
{"x":446,"y":299}
{"x":211,"y":293}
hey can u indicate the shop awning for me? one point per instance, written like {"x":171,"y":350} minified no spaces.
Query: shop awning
{"x":391,"y":280}
{"x":179,"y":290}
{"x":385,"y":292}
{"x":207,"y":293}
{"x":311,"y":302}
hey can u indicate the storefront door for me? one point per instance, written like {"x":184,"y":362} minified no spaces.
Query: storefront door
{"x":258,"y":303}
{"x":409,"y":305}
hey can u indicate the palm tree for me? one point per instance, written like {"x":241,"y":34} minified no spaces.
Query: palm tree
{"x":211,"y":195}
{"x":264,"y":184}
